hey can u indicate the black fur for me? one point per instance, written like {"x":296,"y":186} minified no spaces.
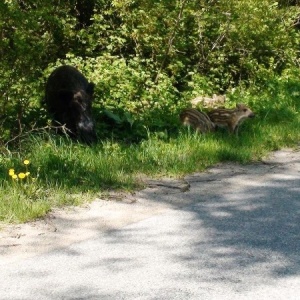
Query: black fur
{"x":68,"y":98}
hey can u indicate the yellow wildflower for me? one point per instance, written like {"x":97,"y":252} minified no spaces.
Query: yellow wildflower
{"x":11,"y":172}
{"x":27,"y":173}
{"x":26,"y":162}
{"x":14,"y":176}
{"x":21,"y":175}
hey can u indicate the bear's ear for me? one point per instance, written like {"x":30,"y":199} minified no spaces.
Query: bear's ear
{"x":90,"y":88}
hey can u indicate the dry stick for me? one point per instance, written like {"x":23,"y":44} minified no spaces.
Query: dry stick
{"x":219,"y":39}
{"x":21,"y":134}
{"x":171,"y":39}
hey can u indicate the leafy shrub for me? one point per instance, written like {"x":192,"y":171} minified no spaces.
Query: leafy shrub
{"x":127,"y":95}
{"x":147,"y":58}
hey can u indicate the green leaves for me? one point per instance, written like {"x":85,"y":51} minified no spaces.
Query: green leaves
{"x":146,"y":57}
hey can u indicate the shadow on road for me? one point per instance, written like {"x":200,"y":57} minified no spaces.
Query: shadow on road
{"x":235,"y":227}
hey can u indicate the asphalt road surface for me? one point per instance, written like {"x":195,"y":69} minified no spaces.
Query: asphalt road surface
{"x":232,"y":232}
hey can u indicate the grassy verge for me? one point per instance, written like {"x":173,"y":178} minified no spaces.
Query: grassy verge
{"x":65,"y":173}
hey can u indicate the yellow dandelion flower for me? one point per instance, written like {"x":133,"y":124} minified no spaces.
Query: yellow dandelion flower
{"x":26,"y":162}
{"x":11,"y":172}
{"x":21,"y":175}
{"x":14,"y":176}
{"x":27,"y":173}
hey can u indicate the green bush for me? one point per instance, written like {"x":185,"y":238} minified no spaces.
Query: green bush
{"x":147,"y":58}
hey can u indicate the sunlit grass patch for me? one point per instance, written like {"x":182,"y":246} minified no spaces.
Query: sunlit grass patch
{"x":57,"y":171}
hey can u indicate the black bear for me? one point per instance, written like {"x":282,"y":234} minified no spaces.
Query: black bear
{"x":68,"y":99}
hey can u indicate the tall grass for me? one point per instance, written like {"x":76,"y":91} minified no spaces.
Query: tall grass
{"x":63,"y":172}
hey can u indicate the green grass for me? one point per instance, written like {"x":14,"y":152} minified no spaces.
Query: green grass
{"x":63,"y":172}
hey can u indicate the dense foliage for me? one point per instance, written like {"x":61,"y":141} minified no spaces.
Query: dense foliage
{"x":147,"y":58}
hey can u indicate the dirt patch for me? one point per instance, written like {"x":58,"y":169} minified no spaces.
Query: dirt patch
{"x":63,"y":227}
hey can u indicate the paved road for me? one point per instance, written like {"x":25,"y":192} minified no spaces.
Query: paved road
{"x":234,"y":234}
